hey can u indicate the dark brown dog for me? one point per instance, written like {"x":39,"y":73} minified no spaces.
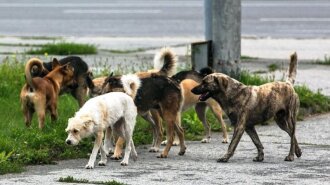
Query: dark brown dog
{"x":247,"y":106}
{"x":40,"y":94}
{"x":82,"y":77}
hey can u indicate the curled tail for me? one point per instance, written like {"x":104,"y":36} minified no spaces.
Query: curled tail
{"x":131,"y":83}
{"x":165,"y":60}
{"x":35,"y":66}
{"x":292,"y":68}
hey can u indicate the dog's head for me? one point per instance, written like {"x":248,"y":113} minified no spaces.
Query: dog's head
{"x":78,"y":128}
{"x":212,"y":84}
{"x":63,"y":72}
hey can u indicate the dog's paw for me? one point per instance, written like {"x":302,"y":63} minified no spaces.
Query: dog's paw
{"x":289,"y":158}
{"x":89,"y":166}
{"x":164,"y":143}
{"x":162,"y":156}
{"x":124,"y":163}
{"x":110,"y":152}
{"x":182,"y":152}
{"x":225,"y":140}
{"x":154,"y":149}
{"x":223,"y":160}
{"x":206,"y":140}
{"x":102,"y":163}
{"x":298,"y":152}
{"x":258,"y":159}
{"x":113,"y":157}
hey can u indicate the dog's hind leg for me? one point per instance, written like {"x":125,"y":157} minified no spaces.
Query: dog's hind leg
{"x":28,"y":114}
{"x":238,"y":132}
{"x":217,"y":111}
{"x":251,"y":131}
{"x":53,"y":111}
{"x":155,"y":123}
{"x":97,"y":144}
{"x":180,"y":133}
{"x":40,"y":107}
{"x":288,"y":126}
{"x":200,"y":109}
{"x":108,"y":141}
{"x":170,"y":121}
{"x":128,"y":133}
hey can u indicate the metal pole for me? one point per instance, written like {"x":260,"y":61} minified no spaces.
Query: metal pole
{"x":208,"y":19}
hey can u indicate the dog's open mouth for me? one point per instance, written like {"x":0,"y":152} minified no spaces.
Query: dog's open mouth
{"x":204,"y":96}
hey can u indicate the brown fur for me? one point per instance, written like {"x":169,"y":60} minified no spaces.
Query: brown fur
{"x":247,"y":106}
{"x":41,"y":94}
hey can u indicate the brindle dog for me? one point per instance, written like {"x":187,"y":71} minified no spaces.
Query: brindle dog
{"x":248,"y":105}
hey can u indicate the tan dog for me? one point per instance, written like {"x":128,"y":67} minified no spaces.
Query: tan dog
{"x":40,"y":94}
{"x":191,"y":99}
{"x":247,"y":106}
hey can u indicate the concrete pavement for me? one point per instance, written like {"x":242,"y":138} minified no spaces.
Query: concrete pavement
{"x":199,"y":166}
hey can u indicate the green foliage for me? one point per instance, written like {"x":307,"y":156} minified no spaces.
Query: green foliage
{"x":312,"y":102}
{"x":192,"y":126}
{"x":63,"y":48}
{"x":325,"y":61}
{"x":273,"y":67}
{"x":252,"y":79}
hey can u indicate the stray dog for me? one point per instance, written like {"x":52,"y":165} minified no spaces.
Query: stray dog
{"x":164,"y":65}
{"x":190,"y":79}
{"x":82,"y":77}
{"x":162,"y":94}
{"x":41,"y":94}
{"x":247,"y":106}
{"x":112,"y":110}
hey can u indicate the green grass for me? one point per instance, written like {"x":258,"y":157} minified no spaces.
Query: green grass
{"x":325,"y":61}
{"x":273,"y":67}
{"x":124,"y":51}
{"x":70,"y":179}
{"x":64,"y":48}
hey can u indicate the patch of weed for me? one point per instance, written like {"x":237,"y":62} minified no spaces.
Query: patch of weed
{"x":64,"y":48}
{"x":70,"y":179}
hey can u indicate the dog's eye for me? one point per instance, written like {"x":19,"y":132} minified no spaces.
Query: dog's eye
{"x":75,"y":131}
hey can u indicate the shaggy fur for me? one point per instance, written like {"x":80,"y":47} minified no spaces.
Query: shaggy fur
{"x":250,"y":105}
{"x":82,"y":76}
{"x":41,"y":94}
{"x":113,"y":111}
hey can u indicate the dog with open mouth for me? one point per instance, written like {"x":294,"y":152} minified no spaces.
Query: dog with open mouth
{"x":247,"y":106}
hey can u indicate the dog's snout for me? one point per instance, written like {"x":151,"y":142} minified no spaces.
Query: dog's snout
{"x":68,"y":142}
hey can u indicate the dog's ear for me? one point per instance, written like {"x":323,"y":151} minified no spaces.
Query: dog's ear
{"x":67,"y":67}
{"x":55,"y":63}
{"x":222,"y":82}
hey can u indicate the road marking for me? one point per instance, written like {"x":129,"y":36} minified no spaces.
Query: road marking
{"x":306,"y":19}
{"x":113,"y":11}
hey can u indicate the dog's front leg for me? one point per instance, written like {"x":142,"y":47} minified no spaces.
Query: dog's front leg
{"x":97,"y":144}
{"x":238,"y":132}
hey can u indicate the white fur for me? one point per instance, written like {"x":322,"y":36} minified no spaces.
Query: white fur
{"x":116,"y":110}
{"x":131,"y":83}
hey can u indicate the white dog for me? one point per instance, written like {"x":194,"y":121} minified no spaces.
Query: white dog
{"x":114,"y":110}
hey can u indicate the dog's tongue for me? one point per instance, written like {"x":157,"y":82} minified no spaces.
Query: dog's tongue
{"x":202,"y":97}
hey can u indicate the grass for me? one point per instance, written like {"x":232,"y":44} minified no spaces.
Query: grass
{"x":21,"y":146}
{"x":325,"y":61}
{"x":124,"y":51}
{"x":273,"y":67}
{"x":64,"y":48}
{"x":70,"y":179}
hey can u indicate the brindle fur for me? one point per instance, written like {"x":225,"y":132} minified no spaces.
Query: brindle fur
{"x":247,"y":106}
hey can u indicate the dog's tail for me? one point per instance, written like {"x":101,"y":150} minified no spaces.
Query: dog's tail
{"x":292,"y":68}
{"x":165,"y":61}
{"x":131,"y":84}
{"x":32,"y":66}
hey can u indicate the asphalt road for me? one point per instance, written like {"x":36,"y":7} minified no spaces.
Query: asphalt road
{"x":145,"y":18}
{"x":199,"y":166}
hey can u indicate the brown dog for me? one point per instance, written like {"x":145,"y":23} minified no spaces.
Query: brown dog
{"x":250,"y":105}
{"x":41,"y":94}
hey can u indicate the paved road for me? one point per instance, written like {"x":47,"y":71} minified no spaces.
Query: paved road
{"x":144,"y":18}
{"x":198,"y":165}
